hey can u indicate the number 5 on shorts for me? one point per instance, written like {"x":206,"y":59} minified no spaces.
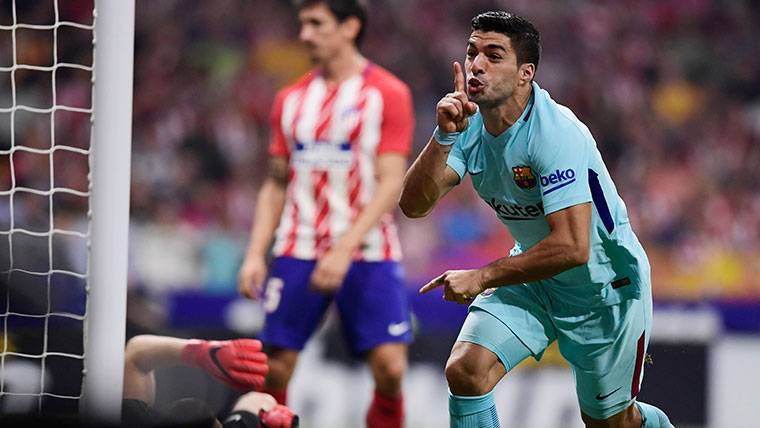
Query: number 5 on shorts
{"x":273,"y":294}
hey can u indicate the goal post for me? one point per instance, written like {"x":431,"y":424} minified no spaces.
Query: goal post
{"x":110,"y":169}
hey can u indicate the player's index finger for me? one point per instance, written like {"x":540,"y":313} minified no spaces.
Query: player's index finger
{"x":427,"y":287}
{"x":431,"y":285}
{"x":458,"y":77}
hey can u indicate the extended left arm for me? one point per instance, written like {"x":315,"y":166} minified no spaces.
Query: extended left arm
{"x":240,"y":363}
{"x":332,"y":267}
{"x":566,"y":247}
{"x":143,"y":355}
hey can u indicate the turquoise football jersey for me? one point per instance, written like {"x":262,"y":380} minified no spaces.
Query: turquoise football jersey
{"x":548,"y":161}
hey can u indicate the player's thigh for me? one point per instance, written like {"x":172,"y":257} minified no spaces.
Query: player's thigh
{"x":293,"y":309}
{"x":512,"y":322}
{"x":606,"y":349}
{"x":373,"y":306}
{"x":485,"y":330}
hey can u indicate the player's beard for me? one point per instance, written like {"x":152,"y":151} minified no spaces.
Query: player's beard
{"x":493,"y":95}
{"x":489,"y":101}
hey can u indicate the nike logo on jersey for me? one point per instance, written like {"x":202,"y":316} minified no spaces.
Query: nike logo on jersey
{"x":399,"y":328}
{"x":557,"y":179}
{"x":516,"y":212}
{"x":601,"y":397}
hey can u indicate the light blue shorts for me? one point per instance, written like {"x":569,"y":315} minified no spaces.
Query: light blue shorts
{"x":605,"y":346}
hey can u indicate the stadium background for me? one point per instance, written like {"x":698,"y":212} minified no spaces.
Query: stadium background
{"x":670,"y":89}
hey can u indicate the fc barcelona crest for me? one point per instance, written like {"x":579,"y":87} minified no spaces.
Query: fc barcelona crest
{"x":524,"y":177}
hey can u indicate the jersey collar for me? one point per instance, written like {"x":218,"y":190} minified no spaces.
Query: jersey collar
{"x":508,"y":133}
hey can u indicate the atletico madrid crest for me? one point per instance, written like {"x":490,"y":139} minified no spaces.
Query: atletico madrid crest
{"x":524,"y":177}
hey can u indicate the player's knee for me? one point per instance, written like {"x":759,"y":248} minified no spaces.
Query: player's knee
{"x":388,"y":365}
{"x":590,"y":422}
{"x":465,"y":376}
{"x":389,"y":371}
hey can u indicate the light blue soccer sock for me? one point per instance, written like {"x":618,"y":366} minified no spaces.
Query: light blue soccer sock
{"x":652,"y":417}
{"x":472,"y":412}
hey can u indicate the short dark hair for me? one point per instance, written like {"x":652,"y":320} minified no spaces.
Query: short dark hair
{"x":342,"y":9}
{"x":525,"y":38}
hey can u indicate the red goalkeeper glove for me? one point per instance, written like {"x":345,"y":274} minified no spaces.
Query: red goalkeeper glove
{"x":278,"y":417}
{"x":239,"y":363}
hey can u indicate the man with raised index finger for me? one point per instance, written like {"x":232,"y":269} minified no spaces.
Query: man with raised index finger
{"x":577,"y":273}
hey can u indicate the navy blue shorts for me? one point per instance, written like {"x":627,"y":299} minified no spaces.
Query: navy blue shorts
{"x":372,"y":304}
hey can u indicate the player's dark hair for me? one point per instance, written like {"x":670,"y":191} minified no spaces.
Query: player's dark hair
{"x":342,"y":9}
{"x":524,"y":37}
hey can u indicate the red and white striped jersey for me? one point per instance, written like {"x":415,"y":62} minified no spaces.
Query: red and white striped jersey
{"x":332,"y":136}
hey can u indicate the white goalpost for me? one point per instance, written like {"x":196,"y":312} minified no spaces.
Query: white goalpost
{"x":35,"y":358}
{"x":110,"y":174}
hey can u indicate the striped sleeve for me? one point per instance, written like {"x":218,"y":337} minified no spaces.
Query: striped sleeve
{"x":278,"y":146}
{"x":398,"y":120}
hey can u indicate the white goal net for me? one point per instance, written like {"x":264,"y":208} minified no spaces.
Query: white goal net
{"x":48,"y":205}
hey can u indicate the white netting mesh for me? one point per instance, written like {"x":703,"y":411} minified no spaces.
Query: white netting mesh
{"x":45,"y":122}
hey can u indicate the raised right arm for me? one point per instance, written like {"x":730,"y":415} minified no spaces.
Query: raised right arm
{"x":430,"y":177}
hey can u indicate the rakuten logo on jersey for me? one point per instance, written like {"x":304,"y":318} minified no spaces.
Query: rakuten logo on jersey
{"x":516,"y":212}
{"x":558,"y":179}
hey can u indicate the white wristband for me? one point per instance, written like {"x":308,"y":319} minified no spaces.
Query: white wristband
{"x":444,"y":138}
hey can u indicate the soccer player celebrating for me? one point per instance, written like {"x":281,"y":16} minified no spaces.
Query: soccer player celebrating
{"x":577,"y":273}
{"x":341,"y":135}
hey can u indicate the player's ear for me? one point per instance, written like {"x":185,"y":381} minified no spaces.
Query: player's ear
{"x":350,"y":27}
{"x":526,"y":73}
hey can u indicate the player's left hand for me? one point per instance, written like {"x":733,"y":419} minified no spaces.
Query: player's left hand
{"x":459,"y":286}
{"x":240,"y":363}
{"x":331,"y":269}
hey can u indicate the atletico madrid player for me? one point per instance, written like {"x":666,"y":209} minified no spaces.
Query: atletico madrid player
{"x":340,"y":138}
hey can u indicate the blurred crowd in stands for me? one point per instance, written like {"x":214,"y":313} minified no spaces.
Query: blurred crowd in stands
{"x":669,"y":88}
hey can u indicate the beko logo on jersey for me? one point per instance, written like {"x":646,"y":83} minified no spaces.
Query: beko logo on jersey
{"x":559,"y":177}
{"x":516,"y":212}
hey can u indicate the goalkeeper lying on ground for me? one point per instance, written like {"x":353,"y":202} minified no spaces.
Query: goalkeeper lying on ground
{"x":238,"y":363}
